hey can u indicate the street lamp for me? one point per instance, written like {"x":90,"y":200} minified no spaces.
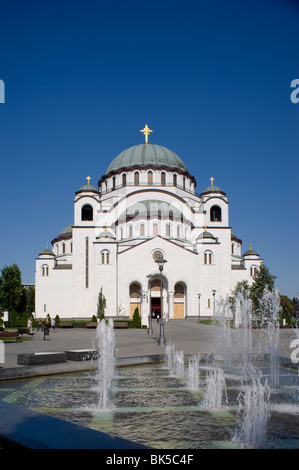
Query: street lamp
{"x":198,"y":295}
{"x":162,"y":339}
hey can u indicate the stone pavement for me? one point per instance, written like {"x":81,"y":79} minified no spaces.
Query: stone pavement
{"x":187,"y":335}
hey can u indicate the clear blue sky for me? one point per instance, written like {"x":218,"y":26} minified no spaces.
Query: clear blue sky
{"x":212,"y":79}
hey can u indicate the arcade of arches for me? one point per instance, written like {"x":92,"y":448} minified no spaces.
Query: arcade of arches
{"x":174,"y":302}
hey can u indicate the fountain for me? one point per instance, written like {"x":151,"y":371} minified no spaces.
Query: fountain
{"x":105,"y":345}
{"x":193,"y":372}
{"x":270,"y":306}
{"x":215,"y":393}
{"x":254,"y":403}
{"x":196,"y":403}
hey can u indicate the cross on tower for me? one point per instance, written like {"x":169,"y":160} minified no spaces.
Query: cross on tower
{"x":212,"y":181}
{"x":146,"y":131}
{"x":88,"y":179}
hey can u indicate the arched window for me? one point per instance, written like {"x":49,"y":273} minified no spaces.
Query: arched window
{"x":208,"y":257}
{"x":105,"y":257}
{"x":253,"y":270}
{"x":87,"y":212}
{"x":142,"y":230}
{"x":170,"y":215}
{"x":71,"y":246}
{"x":155,"y":230}
{"x":45,"y":270}
{"x":168,"y":230}
{"x":63,"y":248}
{"x":150,"y":177}
{"x":130,"y":231}
{"x":215,"y":214}
{"x":178,"y":231}
{"x":124,"y":178}
{"x":163,"y":179}
{"x":113,"y":182}
{"x":175,"y":178}
{"x":184,"y":183}
{"x":136,"y":178}
{"x":159,"y":215}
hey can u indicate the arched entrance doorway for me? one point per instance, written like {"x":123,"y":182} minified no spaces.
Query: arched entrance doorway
{"x":155,"y":297}
{"x":179,"y":300}
{"x":135,"y":298}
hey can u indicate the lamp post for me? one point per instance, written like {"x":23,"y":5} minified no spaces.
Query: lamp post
{"x":214,"y":292}
{"x":162,"y":339}
{"x":198,"y":295}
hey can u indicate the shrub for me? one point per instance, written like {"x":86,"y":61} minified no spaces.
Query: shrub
{"x":136,"y":319}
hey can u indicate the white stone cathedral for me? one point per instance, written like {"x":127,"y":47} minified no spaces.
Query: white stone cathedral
{"x":144,"y":207}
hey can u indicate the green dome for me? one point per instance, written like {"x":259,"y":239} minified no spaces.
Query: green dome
{"x":144,"y":155}
{"x":66,"y":230}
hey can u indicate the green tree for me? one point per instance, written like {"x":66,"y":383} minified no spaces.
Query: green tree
{"x":11,"y":289}
{"x":242,"y":287}
{"x":101,"y":305}
{"x":136,"y":318}
{"x":30,"y":299}
{"x":261,"y":280}
{"x":287,"y":308}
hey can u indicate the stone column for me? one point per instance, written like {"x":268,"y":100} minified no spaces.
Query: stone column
{"x":171,"y":304}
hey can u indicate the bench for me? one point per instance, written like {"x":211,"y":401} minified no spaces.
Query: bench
{"x":25,"y":331}
{"x":65,"y":324}
{"x":121,"y":324}
{"x":10,"y":335}
{"x":91,"y":324}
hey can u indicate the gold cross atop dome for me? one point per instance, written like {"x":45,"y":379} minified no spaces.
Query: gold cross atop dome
{"x":88,"y":179}
{"x":212,"y":181}
{"x":146,"y":131}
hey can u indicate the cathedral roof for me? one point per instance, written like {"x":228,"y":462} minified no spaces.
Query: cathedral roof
{"x":144,"y":155}
{"x":47,"y":252}
{"x":212,"y":189}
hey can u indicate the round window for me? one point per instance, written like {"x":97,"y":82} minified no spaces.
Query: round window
{"x":157,"y":254}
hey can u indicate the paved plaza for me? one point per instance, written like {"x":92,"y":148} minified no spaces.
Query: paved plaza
{"x":187,"y":335}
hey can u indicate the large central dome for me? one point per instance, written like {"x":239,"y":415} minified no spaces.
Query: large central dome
{"x":144,"y":155}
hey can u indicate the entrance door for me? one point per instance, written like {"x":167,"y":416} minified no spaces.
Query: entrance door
{"x":179,"y":301}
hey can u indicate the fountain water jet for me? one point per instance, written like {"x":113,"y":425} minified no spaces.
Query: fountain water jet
{"x":105,"y":345}
{"x":255,"y":403}
{"x":215,"y":394}
{"x":193,"y":372}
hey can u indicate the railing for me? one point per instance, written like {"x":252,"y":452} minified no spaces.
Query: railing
{"x":147,"y":185}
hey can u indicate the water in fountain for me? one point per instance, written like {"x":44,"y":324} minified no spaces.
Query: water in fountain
{"x":222,"y":340}
{"x":215,"y":394}
{"x":270,"y":306}
{"x":243,"y":324}
{"x":105,"y":345}
{"x":179,"y":366}
{"x":193,"y":372}
{"x":254,"y":404}
{"x":175,"y":361}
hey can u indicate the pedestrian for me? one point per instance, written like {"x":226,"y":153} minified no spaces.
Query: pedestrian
{"x":158,"y":317}
{"x":39,"y":326}
{"x":29,"y":324}
{"x":53,"y":325}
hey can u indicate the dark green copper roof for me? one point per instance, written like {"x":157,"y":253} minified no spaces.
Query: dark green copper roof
{"x":144,"y":155}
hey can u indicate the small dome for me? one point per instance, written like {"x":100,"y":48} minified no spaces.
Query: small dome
{"x":87,"y":188}
{"x":205,"y":235}
{"x":212,"y":189}
{"x":250,"y":252}
{"x":67,"y":230}
{"x":106,"y":234}
{"x":147,"y":154}
{"x":47,"y":252}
